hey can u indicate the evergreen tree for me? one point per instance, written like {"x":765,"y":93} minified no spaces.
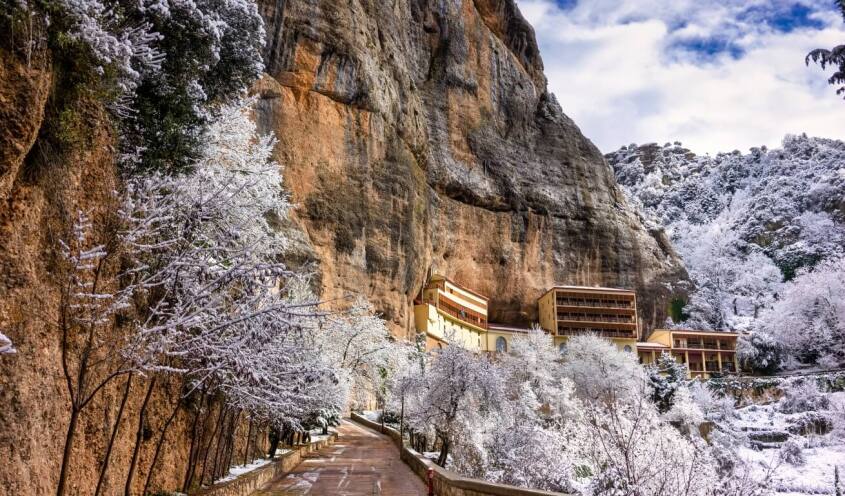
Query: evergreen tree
{"x":665,"y":377}
{"x":835,"y":57}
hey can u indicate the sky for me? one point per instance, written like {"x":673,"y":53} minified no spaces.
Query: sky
{"x":716,"y":75}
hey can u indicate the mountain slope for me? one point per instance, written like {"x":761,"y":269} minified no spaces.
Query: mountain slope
{"x":742,"y":223}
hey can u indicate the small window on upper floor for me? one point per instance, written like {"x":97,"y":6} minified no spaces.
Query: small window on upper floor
{"x":628,"y":348}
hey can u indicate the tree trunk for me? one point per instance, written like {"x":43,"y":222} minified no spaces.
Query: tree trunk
{"x":220,"y":418}
{"x":193,"y":454}
{"x":444,"y":452}
{"x":113,"y":436}
{"x":402,"y":424}
{"x":158,"y":446}
{"x":71,"y":429}
{"x":221,"y":443}
{"x":275,"y":437}
{"x":139,"y":435}
{"x":247,"y":455}
{"x":230,"y":447}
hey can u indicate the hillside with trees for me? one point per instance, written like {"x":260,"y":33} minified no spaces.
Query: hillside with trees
{"x":761,"y":235}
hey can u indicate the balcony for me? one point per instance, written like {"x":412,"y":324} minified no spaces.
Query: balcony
{"x":607,"y":333}
{"x":571,"y":302}
{"x":463,"y":314}
{"x":595,"y":318}
{"x":704,"y":345}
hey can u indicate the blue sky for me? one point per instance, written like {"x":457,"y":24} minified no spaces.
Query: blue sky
{"x":715,"y":75}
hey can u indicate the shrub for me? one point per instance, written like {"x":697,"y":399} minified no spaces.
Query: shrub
{"x":803,"y":396}
{"x":791,"y":453}
{"x":390,"y":417}
{"x":810,"y":423}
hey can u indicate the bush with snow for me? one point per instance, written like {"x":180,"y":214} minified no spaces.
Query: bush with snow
{"x":803,"y":396}
{"x":791,"y":453}
{"x":714,"y":406}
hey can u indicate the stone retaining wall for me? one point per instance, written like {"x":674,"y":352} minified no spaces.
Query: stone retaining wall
{"x":248,"y":483}
{"x":446,"y":482}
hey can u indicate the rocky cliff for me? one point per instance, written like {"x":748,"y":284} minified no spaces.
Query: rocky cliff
{"x":421,"y":136}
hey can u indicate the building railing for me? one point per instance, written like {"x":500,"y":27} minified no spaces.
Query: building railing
{"x":597,"y":318}
{"x":465,"y":314}
{"x":698,"y":345}
{"x":608,"y":333}
{"x":568,"y":302}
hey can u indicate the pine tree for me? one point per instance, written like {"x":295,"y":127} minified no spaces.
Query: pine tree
{"x":665,"y":377}
{"x":835,"y":57}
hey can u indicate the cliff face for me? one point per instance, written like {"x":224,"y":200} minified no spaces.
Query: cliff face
{"x":43,"y":184}
{"x":420,"y":135}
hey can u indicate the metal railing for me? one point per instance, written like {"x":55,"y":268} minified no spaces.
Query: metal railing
{"x":594,"y":304}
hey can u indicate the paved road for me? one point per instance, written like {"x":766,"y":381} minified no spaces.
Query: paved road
{"x":361,"y":463}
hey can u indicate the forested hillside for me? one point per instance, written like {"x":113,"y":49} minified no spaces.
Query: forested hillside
{"x":760,"y":234}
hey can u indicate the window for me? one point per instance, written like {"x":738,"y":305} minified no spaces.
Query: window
{"x":628,"y":348}
{"x":562,"y":348}
{"x":501,"y":345}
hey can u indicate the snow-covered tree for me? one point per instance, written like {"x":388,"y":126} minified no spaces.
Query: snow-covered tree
{"x":163,"y":68}
{"x":742,"y":223}
{"x":760,"y":352}
{"x":601,"y":371}
{"x":665,"y":377}
{"x":527,"y":444}
{"x":629,"y":449}
{"x":457,"y":391}
{"x":207,"y":265}
{"x":715,"y":407}
{"x":809,"y":319}
{"x":835,"y":58}
{"x":358,"y":342}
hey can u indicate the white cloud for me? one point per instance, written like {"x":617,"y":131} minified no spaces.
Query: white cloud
{"x":616,"y":70}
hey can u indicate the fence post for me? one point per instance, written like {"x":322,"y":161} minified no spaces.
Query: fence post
{"x":430,"y":478}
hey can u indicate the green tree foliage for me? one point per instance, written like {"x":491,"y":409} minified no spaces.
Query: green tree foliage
{"x":834,"y":57}
{"x":665,"y":377}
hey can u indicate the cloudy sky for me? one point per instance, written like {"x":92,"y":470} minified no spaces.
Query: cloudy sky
{"x":717,"y":75}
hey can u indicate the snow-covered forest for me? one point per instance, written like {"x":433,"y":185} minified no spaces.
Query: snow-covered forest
{"x":761,"y":235}
{"x":593,"y":421}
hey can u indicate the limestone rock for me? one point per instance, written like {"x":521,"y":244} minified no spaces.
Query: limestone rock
{"x":421,"y":136}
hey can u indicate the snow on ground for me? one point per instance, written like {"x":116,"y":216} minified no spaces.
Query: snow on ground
{"x":317,"y":435}
{"x":821,"y":453}
{"x":239,"y":470}
{"x":372,"y":415}
{"x":815,"y":476}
